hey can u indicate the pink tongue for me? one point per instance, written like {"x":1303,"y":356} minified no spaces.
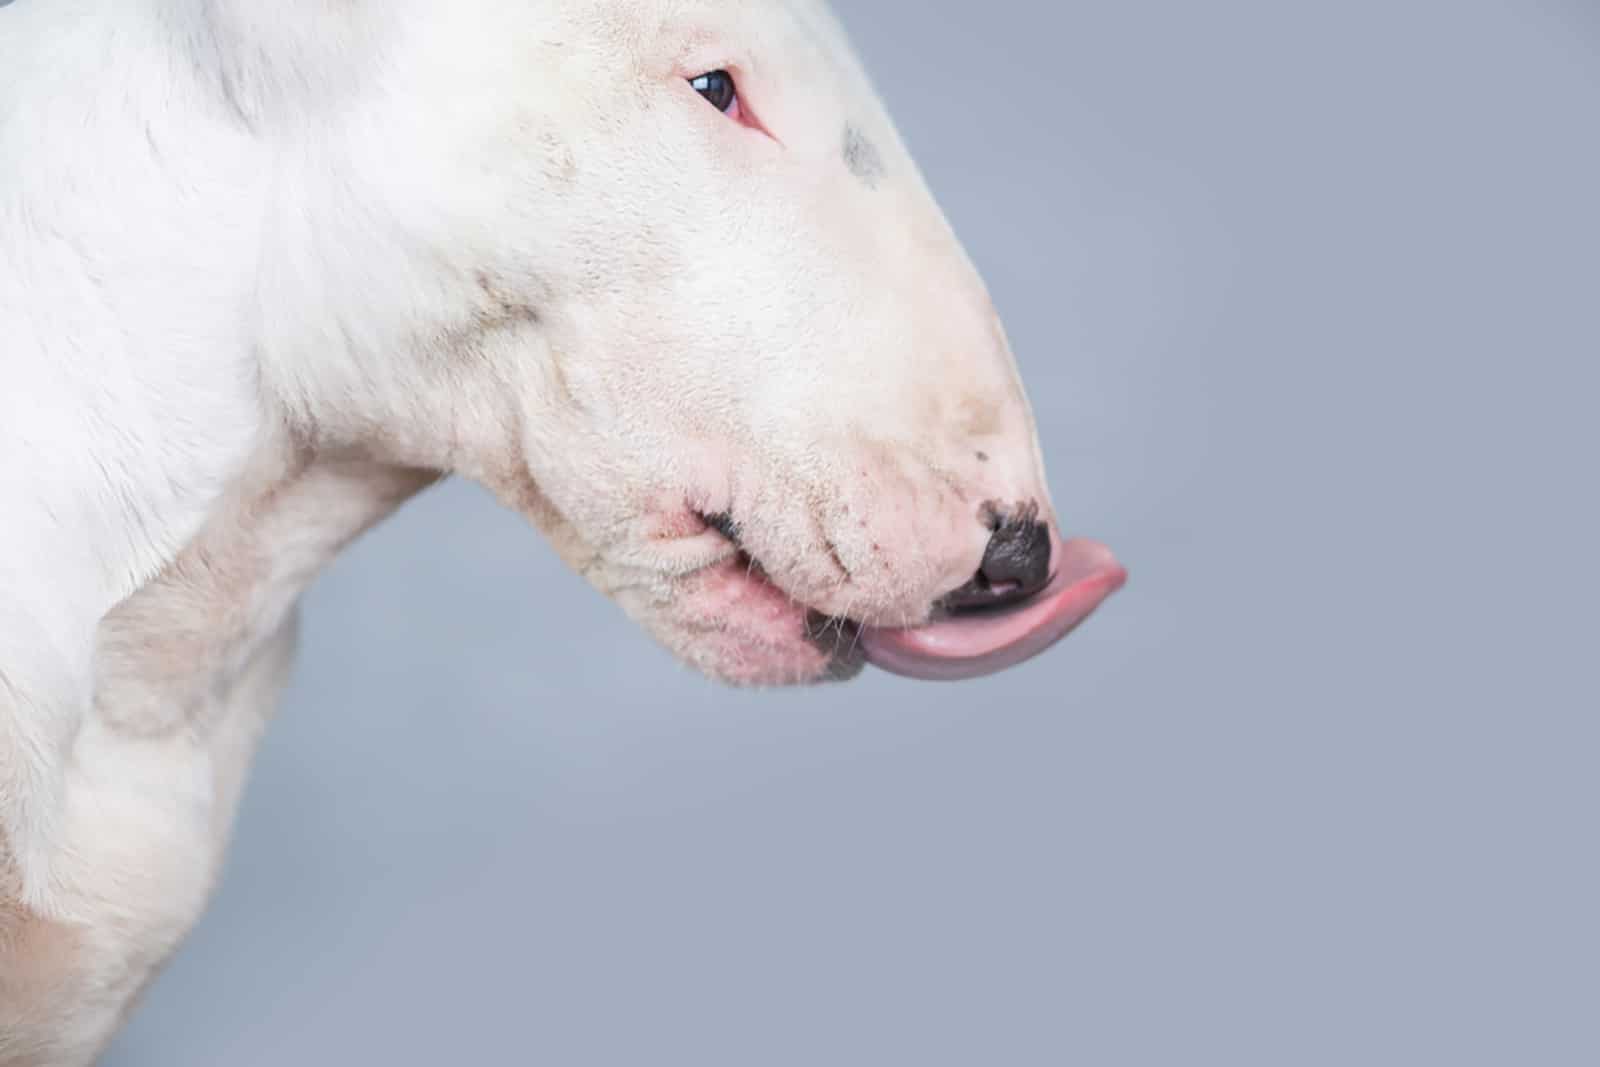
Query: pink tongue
{"x":973,"y":645}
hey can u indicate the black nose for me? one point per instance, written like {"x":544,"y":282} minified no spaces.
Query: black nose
{"x":1016,"y":565}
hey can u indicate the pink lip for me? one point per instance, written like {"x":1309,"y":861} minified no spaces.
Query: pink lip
{"x":971,"y":646}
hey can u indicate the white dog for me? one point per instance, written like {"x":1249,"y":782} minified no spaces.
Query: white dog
{"x":658,"y":272}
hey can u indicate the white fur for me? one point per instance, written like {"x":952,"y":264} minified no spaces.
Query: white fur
{"x":266,"y":269}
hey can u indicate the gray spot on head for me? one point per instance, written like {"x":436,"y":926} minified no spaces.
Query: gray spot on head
{"x":862,"y":157}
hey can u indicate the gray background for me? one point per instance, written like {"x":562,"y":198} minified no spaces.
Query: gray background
{"x":1308,"y":299}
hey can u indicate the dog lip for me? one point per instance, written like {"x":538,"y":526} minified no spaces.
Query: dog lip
{"x":722,"y":522}
{"x":726,"y":527}
{"x":818,"y":623}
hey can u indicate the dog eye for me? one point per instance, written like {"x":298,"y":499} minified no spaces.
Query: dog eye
{"x":718,"y":88}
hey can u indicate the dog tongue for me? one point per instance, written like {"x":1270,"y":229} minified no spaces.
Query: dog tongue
{"x":969,"y":646}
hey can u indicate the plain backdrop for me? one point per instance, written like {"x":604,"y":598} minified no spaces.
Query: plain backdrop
{"x":1307,"y":297}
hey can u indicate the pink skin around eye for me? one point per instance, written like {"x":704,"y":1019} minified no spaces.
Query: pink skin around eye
{"x":739,"y":112}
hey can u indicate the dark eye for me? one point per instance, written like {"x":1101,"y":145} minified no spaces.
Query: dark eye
{"x":718,"y":88}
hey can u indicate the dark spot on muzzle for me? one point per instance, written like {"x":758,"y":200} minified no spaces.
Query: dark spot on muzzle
{"x":862,"y":157}
{"x":1016,"y":564}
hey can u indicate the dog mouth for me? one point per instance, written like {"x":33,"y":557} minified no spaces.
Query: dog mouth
{"x":958,"y":643}
{"x":723,"y":523}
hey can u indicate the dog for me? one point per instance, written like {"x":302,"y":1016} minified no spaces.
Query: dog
{"x":660,"y":274}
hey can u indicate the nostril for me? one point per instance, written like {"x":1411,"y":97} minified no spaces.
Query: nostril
{"x":1016,"y":565}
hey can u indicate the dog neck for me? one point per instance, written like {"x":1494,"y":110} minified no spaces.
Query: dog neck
{"x":202,"y":621}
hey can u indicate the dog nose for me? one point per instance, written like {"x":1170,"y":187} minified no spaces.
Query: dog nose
{"x":1016,"y":565}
